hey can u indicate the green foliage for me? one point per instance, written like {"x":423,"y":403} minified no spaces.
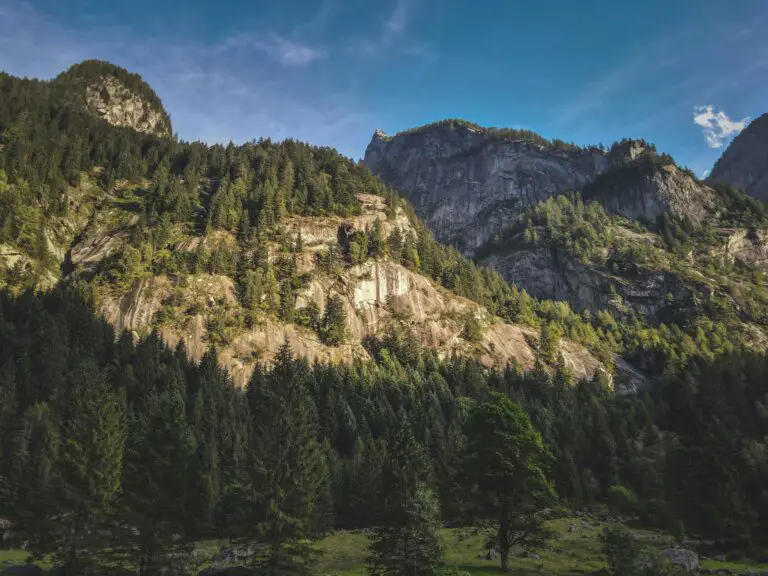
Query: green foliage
{"x":621,"y":551}
{"x":549,"y":343}
{"x":622,"y":500}
{"x":473,"y":330}
{"x":691,"y":446}
{"x":506,"y":468}
{"x":333,"y":324}
{"x":286,"y":471}
{"x":406,"y":538}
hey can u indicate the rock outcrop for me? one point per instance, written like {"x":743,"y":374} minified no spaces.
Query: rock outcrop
{"x":466,"y":182}
{"x":111,"y":100}
{"x":544,"y":273}
{"x":648,"y":187}
{"x":744,"y":164}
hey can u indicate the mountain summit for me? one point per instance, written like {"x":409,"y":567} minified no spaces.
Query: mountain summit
{"x":118,"y":96}
{"x":744,"y":164}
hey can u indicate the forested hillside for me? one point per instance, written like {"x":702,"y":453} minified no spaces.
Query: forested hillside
{"x":99,"y":436}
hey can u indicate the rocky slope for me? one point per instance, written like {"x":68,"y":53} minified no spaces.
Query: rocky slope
{"x":744,"y":164}
{"x":200,"y":309}
{"x":649,"y":187}
{"x":643,"y":237}
{"x":466,"y":181}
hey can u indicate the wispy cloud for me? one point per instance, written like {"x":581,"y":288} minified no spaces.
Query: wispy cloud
{"x":397,"y":20}
{"x":392,"y":37}
{"x":281,"y":50}
{"x":717,"y":126}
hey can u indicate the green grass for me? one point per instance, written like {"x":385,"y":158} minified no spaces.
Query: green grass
{"x":568,"y":554}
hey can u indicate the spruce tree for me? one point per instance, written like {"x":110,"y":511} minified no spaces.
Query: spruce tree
{"x":286,"y":473}
{"x":333,"y":325}
{"x":156,"y":495}
{"x":90,"y":466}
{"x":406,"y":540}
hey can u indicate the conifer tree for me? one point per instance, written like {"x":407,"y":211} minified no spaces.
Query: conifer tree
{"x":287,"y":473}
{"x":91,"y":460}
{"x":333,"y":326}
{"x":156,"y":496}
{"x":406,"y":540}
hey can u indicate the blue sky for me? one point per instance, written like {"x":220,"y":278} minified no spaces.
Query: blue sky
{"x":684,"y":74}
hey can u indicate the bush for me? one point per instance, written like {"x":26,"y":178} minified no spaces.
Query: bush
{"x":473,"y":331}
{"x":622,"y":552}
{"x":622,"y":500}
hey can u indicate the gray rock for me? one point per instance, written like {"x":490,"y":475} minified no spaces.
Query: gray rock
{"x":686,"y":559}
{"x":466,"y":182}
{"x":529,"y":554}
{"x":744,"y":164}
{"x":491,"y":554}
{"x":573,"y":528}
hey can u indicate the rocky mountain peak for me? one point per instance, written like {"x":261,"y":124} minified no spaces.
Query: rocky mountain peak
{"x":118,"y":96}
{"x":744,"y":164}
{"x":466,"y":180}
{"x":646,"y":185}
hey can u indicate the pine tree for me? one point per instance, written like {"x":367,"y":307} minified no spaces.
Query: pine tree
{"x":287,"y":473}
{"x":333,"y":325}
{"x":90,"y":466}
{"x":156,"y":499}
{"x":406,"y":540}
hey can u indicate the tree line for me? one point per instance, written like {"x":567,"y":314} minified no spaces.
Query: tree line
{"x":124,"y":454}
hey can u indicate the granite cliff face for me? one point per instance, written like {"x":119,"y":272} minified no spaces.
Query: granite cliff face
{"x":116,"y":95}
{"x":744,"y":164}
{"x":108,"y":98}
{"x":466,"y":182}
{"x":651,"y":186}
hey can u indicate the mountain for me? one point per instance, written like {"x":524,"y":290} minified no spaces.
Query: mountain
{"x":467,"y":181}
{"x":118,"y":96}
{"x":744,"y":164}
{"x":625,"y":231}
{"x":238,"y":247}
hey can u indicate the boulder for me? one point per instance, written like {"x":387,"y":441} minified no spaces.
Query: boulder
{"x":685,"y":559}
{"x":529,"y":554}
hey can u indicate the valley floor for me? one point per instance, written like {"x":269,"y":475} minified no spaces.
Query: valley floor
{"x":576,"y":550}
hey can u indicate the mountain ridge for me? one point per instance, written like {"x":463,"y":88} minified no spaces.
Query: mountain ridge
{"x":244,"y":247}
{"x":744,"y":163}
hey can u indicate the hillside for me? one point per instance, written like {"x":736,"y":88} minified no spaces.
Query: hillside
{"x":626,"y":232}
{"x":466,"y":181}
{"x":242,"y":248}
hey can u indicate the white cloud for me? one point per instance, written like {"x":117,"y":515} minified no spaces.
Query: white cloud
{"x":717,"y":126}
{"x":705,"y":174}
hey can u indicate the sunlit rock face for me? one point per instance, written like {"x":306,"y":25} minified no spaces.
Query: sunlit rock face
{"x":111,"y":100}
